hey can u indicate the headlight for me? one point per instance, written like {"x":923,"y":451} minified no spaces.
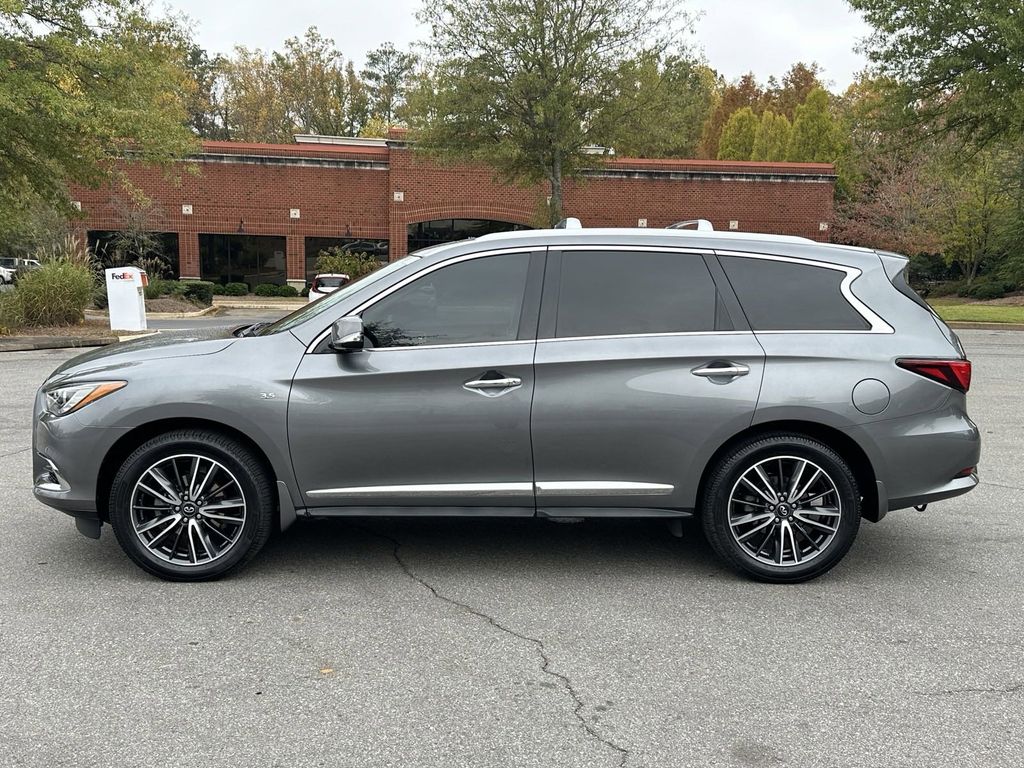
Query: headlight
{"x":68,"y":399}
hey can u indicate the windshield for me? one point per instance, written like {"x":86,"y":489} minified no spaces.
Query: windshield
{"x":325,"y":304}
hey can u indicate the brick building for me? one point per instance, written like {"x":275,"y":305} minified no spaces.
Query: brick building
{"x":262,"y":212}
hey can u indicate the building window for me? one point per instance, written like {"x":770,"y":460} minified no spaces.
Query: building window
{"x":250,"y":259}
{"x":427,"y":233}
{"x":369,"y":246}
{"x":115,"y":248}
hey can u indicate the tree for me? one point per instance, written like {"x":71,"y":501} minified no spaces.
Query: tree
{"x":358,"y":102}
{"x":84,"y":83}
{"x":203,"y":106}
{"x":952,"y":67}
{"x":737,"y":142}
{"x":746,"y":92}
{"x":313,"y":85}
{"x":977,"y":212}
{"x":387,"y":74}
{"x":307,"y":87}
{"x":253,"y":101}
{"x":772,"y":138}
{"x":662,"y":107}
{"x":815,"y":137}
{"x":897,"y":208}
{"x":797,"y":83}
{"x":521,"y":86}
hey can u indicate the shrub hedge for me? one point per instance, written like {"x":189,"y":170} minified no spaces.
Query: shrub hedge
{"x":270,"y":289}
{"x":198,"y":291}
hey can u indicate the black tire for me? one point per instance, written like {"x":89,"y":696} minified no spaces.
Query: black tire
{"x":781,"y":515}
{"x":241,"y":465}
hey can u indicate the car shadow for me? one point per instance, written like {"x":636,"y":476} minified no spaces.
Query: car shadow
{"x":467,"y":544}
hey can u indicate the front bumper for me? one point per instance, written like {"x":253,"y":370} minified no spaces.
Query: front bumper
{"x":66,"y":459}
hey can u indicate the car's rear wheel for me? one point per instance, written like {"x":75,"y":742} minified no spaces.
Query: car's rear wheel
{"x":191,"y":505}
{"x":781,"y":508}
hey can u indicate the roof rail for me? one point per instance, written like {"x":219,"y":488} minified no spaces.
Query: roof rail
{"x":702,"y":225}
{"x":569,"y":223}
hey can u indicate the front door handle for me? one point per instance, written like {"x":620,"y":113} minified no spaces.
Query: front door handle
{"x":493,"y":383}
{"x":725,"y":370}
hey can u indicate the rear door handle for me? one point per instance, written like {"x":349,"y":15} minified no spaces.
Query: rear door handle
{"x":714,"y":370}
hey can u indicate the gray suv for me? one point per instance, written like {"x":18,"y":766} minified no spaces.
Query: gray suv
{"x":778,"y":388}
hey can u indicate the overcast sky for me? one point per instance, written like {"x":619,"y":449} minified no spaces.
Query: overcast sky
{"x":737,"y":36}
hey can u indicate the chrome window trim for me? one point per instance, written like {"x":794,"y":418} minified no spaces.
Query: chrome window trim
{"x":670,"y":334}
{"x":427,"y":490}
{"x":453,"y":346}
{"x":411,"y":278}
{"x":876,"y":323}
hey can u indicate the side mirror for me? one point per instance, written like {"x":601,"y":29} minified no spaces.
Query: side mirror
{"x":347,"y":334}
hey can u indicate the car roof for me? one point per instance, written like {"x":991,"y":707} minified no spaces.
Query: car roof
{"x":627,"y":237}
{"x":645,"y":233}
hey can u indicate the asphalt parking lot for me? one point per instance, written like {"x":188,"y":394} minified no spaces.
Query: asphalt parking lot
{"x":519,"y":642}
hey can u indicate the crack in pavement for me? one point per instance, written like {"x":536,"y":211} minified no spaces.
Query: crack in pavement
{"x":1001,"y":485}
{"x":955,"y":691}
{"x":538,"y":645}
{"x":15,"y":453}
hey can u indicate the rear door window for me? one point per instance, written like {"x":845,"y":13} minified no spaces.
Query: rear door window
{"x":612,"y":293}
{"x":784,"y":296}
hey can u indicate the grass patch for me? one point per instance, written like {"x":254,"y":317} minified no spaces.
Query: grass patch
{"x":978,"y":313}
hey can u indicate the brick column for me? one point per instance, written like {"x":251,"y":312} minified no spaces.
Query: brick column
{"x":296,"y":261}
{"x":188,"y":256}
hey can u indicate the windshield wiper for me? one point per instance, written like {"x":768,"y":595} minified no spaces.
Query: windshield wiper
{"x":249,"y":330}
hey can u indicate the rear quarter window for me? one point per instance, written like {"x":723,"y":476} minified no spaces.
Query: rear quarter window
{"x":783,"y":296}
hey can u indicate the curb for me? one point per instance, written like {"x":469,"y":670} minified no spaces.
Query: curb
{"x":981,"y":326}
{"x":255,"y":303}
{"x":99,"y":314}
{"x":32,"y":343}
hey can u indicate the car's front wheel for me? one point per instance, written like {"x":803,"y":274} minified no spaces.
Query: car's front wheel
{"x":191,"y":505}
{"x":781,"y":508}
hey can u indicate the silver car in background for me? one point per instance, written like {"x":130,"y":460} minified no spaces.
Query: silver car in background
{"x":778,"y":388}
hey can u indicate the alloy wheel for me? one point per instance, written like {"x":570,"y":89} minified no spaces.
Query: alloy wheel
{"x":188,"y":509}
{"x":784,"y":511}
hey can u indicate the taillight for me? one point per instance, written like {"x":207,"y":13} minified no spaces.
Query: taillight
{"x":952,"y":373}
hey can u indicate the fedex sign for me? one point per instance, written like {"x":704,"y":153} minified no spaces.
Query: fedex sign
{"x":125,"y":300}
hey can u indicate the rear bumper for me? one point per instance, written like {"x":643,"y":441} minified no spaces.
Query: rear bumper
{"x":917,"y":460}
{"x":957,"y":487}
